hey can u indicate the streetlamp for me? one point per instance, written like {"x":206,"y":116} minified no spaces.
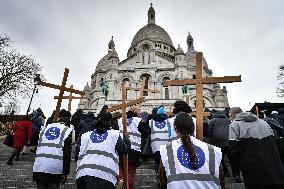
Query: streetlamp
{"x":36,"y":79}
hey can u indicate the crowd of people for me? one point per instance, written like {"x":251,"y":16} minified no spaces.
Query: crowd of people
{"x":251,"y":144}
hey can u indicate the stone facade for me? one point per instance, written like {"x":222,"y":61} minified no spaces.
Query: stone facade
{"x":151,"y":55}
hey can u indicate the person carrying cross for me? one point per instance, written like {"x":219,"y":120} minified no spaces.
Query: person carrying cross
{"x":136,"y":129}
{"x":98,"y":155}
{"x":53,"y":154}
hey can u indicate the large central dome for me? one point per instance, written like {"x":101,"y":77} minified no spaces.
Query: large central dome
{"x":152,"y":32}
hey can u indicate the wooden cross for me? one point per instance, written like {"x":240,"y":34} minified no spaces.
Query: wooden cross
{"x":199,"y":81}
{"x":123,"y":106}
{"x":70,"y":98}
{"x":61,"y":89}
{"x":142,"y":88}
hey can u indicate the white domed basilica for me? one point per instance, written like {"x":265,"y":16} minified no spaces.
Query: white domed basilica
{"x":153,"y":56}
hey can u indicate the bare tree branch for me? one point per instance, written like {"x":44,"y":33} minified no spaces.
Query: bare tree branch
{"x":17,"y":72}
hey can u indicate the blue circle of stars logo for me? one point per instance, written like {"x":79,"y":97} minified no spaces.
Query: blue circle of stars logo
{"x":129,"y":121}
{"x":183,"y":157}
{"x":52,"y":133}
{"x":97,"y":137}
{"x":160,"y":125}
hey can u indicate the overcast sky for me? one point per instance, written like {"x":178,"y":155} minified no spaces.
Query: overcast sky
{"x":237,"y":37}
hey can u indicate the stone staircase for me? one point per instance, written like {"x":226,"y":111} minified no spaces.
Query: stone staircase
{"x":146,"y":175}
{"x":20,"y":174}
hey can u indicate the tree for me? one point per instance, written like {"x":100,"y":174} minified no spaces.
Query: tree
{"x":11,"y":107}
{"x":280,"y":77}
{"x":17,"y":72}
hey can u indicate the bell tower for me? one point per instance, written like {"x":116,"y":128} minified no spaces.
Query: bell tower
{"x":151,"y":15}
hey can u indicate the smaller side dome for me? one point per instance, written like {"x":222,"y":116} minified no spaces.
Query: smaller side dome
{"x":113,"y":54}
{"x":179,"y":51}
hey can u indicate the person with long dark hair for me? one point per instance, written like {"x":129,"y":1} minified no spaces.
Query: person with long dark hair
{"x":189,"y":162}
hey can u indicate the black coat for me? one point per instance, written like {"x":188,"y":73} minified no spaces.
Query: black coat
{"x":218,"y":130}
{"x":252,"y":142}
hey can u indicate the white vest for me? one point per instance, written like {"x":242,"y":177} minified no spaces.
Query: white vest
{"x":179,"y":170}
{"x":132,"y":130}
{"x":97,"y":156}
{"x":159,"y":134}
{"x":172,"y":132}
{"x":49,"y":154}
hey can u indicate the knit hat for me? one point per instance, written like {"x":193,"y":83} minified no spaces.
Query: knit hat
{"x":161,"y":110}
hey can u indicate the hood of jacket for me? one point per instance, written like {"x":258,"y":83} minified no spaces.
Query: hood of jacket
{"x":246,"y":117}
{"x":219,"y":115}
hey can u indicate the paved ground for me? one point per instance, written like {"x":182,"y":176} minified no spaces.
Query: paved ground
{"x":20,"y":174}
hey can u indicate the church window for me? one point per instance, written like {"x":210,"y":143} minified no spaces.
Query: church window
{"x":146,"y":54}
{"x":167,"y":95}
{"x":110,"y":76}
{"x":102,"y":79}
{"x":147,"y":82}
{"x":152,"y":16}
{"x":194,"y":77}
{"x":127,"y":84}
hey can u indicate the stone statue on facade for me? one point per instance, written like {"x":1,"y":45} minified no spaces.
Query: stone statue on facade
{"x":105,"y":88}
{"x":184,"y":90}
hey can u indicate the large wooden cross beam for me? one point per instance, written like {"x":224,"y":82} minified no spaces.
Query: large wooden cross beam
{"x":199,"y":81}
{"x":70,"y":98}
{"x":142,"y":88}
{"x":123,"y":107}
{"x":61,"y":89}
